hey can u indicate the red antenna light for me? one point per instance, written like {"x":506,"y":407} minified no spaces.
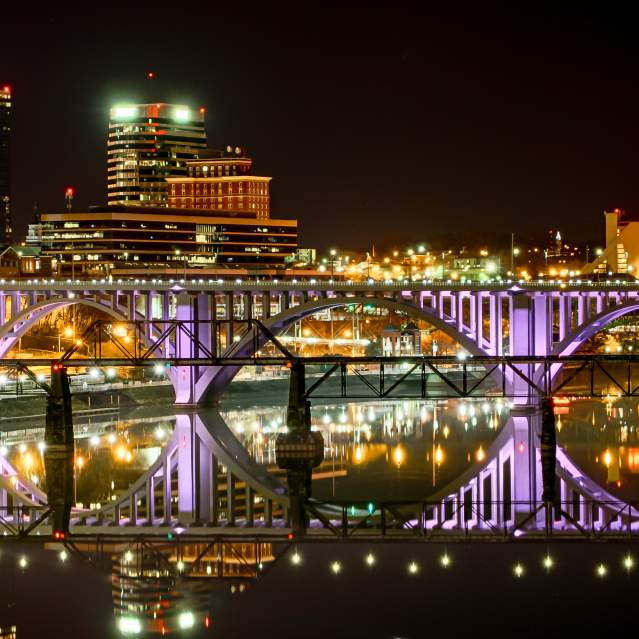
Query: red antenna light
{"x":69,"y":192}
{"x":202,"y":110}
{"x":6,"y":88}
{"x":150,"y":75}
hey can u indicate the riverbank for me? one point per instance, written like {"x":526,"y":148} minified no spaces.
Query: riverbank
{"x":239,"y":394}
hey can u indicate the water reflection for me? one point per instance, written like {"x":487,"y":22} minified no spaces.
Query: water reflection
{"x":387,"y":449}
{"x":163,"y":588}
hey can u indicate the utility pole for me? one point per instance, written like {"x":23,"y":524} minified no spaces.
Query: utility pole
{"x":512,"y":253}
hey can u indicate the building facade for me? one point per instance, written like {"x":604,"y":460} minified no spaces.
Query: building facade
{"x":148,"y":143}
{"x":5,"y":175}
{"x":163,"y":240}
{"x":221,"y":180}
{"x":621,"y":253}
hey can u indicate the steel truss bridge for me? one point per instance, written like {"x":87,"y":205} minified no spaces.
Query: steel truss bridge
{"x":177,"y":345}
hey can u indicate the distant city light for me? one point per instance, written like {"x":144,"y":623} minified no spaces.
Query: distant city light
{"x":186,"y":620}
{"x":129,"y":626}
{"x":181,"y":114}
{"x":518,"y":570}
{"x":601,"y":570}
{"x":445,"y":560}
{"x":125,"y":112}
{"x":336,"y":567}
{"x":413,"y":568}
{"x":370,"y":559}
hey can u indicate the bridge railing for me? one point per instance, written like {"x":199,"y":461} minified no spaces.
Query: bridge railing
{"x":467,"y":518}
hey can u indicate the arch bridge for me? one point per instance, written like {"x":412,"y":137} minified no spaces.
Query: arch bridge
{"x":491,"y":320}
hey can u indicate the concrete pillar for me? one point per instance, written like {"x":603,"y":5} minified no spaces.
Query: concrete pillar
{"x":499,"y":343}
{"x":3,"y":308}
{"x":187,"y":480}
{"x":479,"y":323}
{"x":229,"y":316}
{"x":493,"y":329}
{"x":184,"y":377}
{"x":148,"y":314}
{"x":472,"y":300}
{"x":247,"y":305}
{"x":59,"y":452}
{"x":284,"y":301}
{"x":523,"y":466}
{"x":542,"y":317}
{"x":166,"y":489}
{"x":565,"y":311}
{"x":266,"y":305}
{"x":521,"y":343}
{"x":150,"y":500}
{"x":460,"y":312}
{"x":132,"y":301}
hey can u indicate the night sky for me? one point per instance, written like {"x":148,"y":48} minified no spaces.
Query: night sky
{"x":378,"y":126}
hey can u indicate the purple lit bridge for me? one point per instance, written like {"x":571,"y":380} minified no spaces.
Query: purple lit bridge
{"x":204,"y":483}
{"x":493,"y":320}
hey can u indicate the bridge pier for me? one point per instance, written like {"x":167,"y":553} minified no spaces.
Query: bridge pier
{"x":299,"y":450}
{"x":59,"y":452}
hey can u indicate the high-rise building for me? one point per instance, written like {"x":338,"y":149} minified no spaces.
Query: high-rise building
{"x":5,"y":178}
{"x":222,"y":180}
{"x":147,"y":144}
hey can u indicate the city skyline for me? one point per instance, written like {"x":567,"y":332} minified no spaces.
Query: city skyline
{"x":487,"y":118}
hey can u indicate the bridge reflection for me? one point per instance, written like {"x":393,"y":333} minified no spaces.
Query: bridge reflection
{"x":205,"y":486}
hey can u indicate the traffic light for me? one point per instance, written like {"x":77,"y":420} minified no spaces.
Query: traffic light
{"x":59,"y":535}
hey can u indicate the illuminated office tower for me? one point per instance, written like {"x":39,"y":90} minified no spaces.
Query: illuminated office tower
{"x":5,"y":182}
{"x":148,"y":143}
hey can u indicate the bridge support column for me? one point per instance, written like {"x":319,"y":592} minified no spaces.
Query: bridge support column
{"x":299,"y":450}
{"x":548,"y":454}
{"x":184,"y":376}
{"x":229,"y":316}
{"x":59,"y":452}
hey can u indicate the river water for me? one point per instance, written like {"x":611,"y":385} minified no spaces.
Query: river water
{"x":374,"y":450}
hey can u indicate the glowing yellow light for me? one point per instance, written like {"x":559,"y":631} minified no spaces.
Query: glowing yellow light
{"x":336,"y":567}
{"x":296,"y":558}
{"x":607,"y":458}
{"x":120,"y":453}
{"x":480,"y":454}
{"x":358,"y":455}
{"x":548,"y":562}
{"x":68,"y":331}
{"x":413,"y":568}
{"x":601,"y":570}
{"x":628,"y":562}
{"x":119,"y":331}
{"x":439,"y":455}
{"x":518,"y":570}
{"x":79,"y":462}
{"x":370,"y":559}
{"x":398,"y":455}
{"x":444,"y":560}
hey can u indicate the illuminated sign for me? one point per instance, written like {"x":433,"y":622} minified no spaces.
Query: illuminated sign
{"x":181,"y":114}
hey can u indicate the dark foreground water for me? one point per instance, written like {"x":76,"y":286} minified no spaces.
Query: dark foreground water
{"x":374,"y":450}
{"x":477,"y":595}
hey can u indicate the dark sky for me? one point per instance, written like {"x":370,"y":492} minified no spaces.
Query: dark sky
{"x":378,"y":126}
